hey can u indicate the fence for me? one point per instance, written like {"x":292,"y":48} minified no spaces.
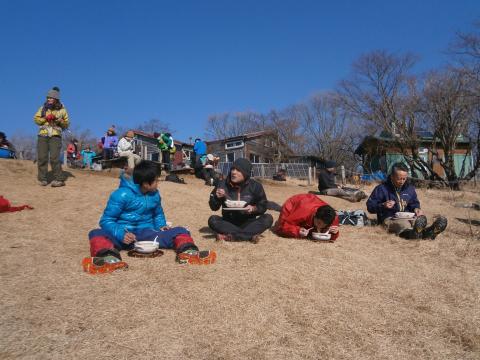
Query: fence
{"x":267,"y":170}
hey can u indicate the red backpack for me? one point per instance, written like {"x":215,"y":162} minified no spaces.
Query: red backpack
{"x":6,"y":207}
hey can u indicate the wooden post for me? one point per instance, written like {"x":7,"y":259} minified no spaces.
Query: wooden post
{"x":65,"y":158}
{"x":309,"y":175}
{"x":343,"y":174}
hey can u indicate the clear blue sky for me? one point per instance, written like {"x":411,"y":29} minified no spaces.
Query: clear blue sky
{"x":125,"y":62}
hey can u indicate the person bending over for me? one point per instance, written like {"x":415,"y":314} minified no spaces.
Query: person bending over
{"x":304,"y":213}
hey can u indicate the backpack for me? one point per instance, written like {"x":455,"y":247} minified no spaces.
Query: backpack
{"x":353,"y":217}
{"x":174,"y":178}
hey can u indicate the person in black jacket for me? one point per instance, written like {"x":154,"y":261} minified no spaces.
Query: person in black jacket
{"x":248,"y":223}
{"x":327,"y":185}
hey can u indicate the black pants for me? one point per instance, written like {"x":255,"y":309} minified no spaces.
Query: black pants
{"x":208,"y":175}
{"x":166,"y":159}
{"x":244,"y":231}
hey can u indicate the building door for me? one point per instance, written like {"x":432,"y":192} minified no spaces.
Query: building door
{"x":230,"y":157}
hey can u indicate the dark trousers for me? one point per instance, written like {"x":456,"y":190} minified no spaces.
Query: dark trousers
{"x":166,"y":159}
{"x":108,"y":153}
{"x":209,"y":175}
{"x":49,"y":148}
{"x":244,"y":231}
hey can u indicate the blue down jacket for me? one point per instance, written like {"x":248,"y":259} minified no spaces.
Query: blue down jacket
{"x":405,"y":199}
{"x":129,"y":209}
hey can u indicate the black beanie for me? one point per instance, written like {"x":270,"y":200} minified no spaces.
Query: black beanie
{"x":244,"y":166}
{"x":330,"y":164}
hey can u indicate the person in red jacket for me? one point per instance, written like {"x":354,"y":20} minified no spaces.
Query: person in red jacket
{"x":303,"y":213}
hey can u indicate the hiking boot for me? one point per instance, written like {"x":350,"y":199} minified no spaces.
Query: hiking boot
{"x":196,"y":257}
{"x":102,"y":265}
{"x":43,"y":183}
{"x":224,"y":237}
{"x":438,"y":226}
{"x":255,"y":239}
{"x":419,"y":225}
{"x":416,"y":231}
{"x":57,"y":183}
{"x":359,"y":196}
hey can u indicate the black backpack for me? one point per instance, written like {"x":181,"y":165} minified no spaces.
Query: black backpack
{"x":174,"y":178}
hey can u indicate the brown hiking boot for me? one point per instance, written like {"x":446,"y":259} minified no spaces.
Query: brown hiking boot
{"x":57,"y":183}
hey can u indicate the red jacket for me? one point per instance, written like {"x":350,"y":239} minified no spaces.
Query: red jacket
{"x":298,"y":211}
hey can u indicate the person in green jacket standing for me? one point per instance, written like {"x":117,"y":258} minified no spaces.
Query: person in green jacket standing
{"x":166,"y":146}
{"x":52,"y":119}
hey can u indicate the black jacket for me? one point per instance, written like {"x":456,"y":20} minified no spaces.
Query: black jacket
{"x":326,"y":180}
{"x":250,"y":191}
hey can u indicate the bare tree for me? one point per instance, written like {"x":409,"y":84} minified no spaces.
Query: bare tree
{"x":465,"y":51}
{"x":383,"y":91}
{"x":225,"y":125}
{"x":328,"y":130}
{"x":449,"y":110}
{"x":154,"y":125}
{"x":25,"y":145}
{"x":287,"y":127}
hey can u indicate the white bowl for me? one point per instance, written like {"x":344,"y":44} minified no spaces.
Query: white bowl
{"x":321,"y":236}
{"x":146,"y":247}
{"x":235,"y":203}
{"x":404,"y":215}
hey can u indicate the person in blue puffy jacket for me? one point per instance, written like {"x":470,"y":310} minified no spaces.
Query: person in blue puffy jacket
{"x":396,"y":195}
{"x":134,"y":213}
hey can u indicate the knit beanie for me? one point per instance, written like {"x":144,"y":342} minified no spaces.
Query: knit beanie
{"x":244,"y":166}
{"x":54,"y":93}
{"x":330,"y":164}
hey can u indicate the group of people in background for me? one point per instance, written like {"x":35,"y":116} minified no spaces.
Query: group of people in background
{"x":124,"y":221}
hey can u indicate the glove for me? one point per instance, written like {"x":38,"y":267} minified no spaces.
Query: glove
{"x":50,"y":117}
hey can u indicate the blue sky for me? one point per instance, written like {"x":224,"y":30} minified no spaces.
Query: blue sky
{"x":120,"y":62}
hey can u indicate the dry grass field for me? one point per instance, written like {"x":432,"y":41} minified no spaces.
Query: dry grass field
{"x":368,"y":296}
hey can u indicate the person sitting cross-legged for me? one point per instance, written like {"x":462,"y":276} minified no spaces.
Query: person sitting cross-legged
{"x":397,"y":194}
{"x":245,"y":224}
{"x":134,"y":213}
{"x":303,"y":213}
{"x":327,"y":185}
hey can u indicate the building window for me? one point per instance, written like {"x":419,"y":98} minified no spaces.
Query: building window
{"x":230,"y":157}
{"x":254,"y":158}
{"x":234,"y":144}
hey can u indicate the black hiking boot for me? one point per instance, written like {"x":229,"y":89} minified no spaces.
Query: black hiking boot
{"x":416,"y":232}
{"x":419,"y":226}
{"x":438,"y":226}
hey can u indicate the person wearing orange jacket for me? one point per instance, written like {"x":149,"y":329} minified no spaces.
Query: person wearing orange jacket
{"x":304,"y":213}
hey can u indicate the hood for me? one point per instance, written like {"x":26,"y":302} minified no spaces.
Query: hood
{"x":242,"y":165}
{"x":127,"y":182}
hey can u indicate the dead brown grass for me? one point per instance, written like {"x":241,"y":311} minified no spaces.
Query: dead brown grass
{"x":368,"y":296}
